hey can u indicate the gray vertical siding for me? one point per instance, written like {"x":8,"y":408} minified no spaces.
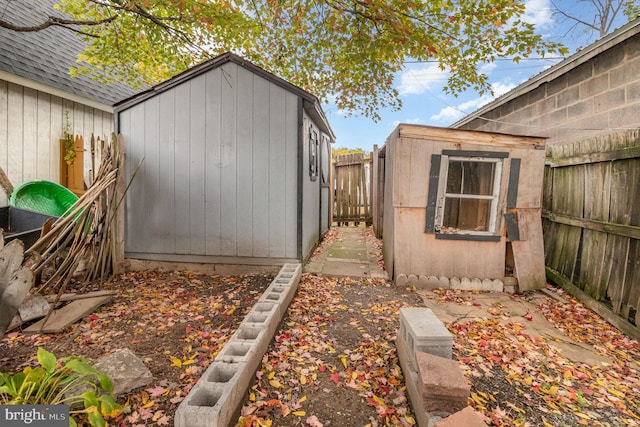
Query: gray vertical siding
{"x":311,"y":192}
{"x":219,"y":177}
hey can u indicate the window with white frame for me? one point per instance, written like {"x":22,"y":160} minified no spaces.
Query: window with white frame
{"x":464,"y":194}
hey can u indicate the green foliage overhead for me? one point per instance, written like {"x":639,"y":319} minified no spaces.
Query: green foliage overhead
{"x":346,"y":51}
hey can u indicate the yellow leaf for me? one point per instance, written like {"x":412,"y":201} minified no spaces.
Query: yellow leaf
{"x":343,"y":359}
{"x":275,"y":384}
{"x":302,"y":399}
{"x":615,"y":392}
{"x":149,"y":404}
{"x":252,"y":397}
{"x":271,"y":374}
{"x":299,"y":413}
{"x":410,"y":420}
{"x":303,"y":379}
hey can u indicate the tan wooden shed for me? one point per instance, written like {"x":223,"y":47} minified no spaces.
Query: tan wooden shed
{"x":461,"y":208}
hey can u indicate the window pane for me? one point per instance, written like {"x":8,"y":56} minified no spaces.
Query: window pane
{"x":468,"y":177}
{"x":466,"y":214}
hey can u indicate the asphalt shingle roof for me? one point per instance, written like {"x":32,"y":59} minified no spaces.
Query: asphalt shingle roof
{"x":45,"y":56}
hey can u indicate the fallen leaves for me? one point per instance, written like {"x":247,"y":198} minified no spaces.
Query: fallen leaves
{"x":519,"y":379}
{"x":308,"y":357}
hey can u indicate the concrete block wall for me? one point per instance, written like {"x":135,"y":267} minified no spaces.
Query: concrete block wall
{"x":595,"y":93}
{"x":217,"y":396}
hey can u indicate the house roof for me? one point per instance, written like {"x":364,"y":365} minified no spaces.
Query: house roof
{"x":563,"y":67}
{"x":311,"y":102}
{"x":42,"y":59}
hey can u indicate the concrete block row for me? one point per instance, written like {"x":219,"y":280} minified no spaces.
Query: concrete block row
{"x":464,"y":283}
{"x":216,"y":397}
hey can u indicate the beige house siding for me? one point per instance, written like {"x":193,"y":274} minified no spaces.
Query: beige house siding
{"x":32,"y":123}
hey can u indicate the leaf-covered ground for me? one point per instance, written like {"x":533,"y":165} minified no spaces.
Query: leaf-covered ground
{"x":521,"y":380}
{"x":176,"y":323}
{"x":333,"y":359}
{"x":333,"y":362}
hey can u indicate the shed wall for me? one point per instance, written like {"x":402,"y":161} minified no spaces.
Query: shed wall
{"x":220,"y":170}
{"x":31,"y":126}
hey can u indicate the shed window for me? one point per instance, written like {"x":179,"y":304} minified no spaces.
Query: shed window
{"x":313,"y":154}
{"x":464,"y":192}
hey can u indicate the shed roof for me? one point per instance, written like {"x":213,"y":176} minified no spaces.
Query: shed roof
{"x":563,"y":67}
{"x":455,"y":136}
{"x":44,"y":57}
{"x":311,"y":102}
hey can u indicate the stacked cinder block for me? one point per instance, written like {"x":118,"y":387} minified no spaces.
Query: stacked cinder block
{"x":436,"y":384}
{"x":216,"y":397}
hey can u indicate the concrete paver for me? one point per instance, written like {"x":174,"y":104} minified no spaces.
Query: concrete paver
{"x":350,"y":254}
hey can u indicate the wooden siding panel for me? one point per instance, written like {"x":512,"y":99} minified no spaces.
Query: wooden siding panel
{"x":261,"y":156}
{"x":228,"y":177}
{"x":165,"y":222}
{"x":30,"y":135}
{"x":291,"y":180}
{"x":180,"y":186}
{"x":44,"y":135}
{"x":244,"y":193}
{"x":55,"y":134}
{"x":213,"y":120}
{"x":197,"y":152}
{"x":15,"y":134}
{"x":151,"y":174}
{"x":277,"y":173}
{"x":4,"y":134}
{"x":136,"y":211}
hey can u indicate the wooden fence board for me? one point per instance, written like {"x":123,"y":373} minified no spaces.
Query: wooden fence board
{"x":592,"y":220}
{"x":352,"y":200}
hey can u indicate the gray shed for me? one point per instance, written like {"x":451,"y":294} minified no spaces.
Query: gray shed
{"x":235,"y":167}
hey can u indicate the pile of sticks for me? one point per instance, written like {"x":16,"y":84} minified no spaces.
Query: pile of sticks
{"x":82,"y":244}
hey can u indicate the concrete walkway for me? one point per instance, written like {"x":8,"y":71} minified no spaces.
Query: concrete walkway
{"x":348,"y":251}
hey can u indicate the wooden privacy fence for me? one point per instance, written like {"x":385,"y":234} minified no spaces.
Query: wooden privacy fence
{"x":592,"y":222}
{"x":351,"y":175}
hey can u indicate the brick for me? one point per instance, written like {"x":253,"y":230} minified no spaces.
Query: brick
{"x":468,"y":417}
{"x":441,"y":378}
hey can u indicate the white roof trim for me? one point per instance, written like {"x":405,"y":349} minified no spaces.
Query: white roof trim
{"x":607,"y":42}
{"x":12,"y":78}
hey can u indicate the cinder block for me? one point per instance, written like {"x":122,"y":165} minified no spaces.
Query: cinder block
{"x":237,"y":352}
{"x":256,"y":336}
{"x":423,"y":331}
{"x":213,"y":401}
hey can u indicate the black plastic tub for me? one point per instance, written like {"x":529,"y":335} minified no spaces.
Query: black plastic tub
{"x":22,"y":224}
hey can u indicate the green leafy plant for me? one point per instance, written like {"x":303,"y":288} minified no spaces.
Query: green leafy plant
{"x":67,"y":381}
{"x":69,"y":151}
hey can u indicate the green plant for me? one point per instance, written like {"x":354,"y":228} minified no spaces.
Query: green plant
{"x":67,"y":381}
{"x":69,"y":151}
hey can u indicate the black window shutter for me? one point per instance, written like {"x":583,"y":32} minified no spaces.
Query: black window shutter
{"x":514,"y":177}
{"x":432,"y":196}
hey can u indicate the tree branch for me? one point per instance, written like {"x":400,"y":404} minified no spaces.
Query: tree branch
{"x":53,"y":21}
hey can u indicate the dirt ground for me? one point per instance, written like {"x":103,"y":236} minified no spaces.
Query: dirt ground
{"x":333,"y":360}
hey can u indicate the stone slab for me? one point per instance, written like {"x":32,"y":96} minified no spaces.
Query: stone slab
{"x":125,"y":369}
{"x":467,"y":417}
{"x":351,"y":269}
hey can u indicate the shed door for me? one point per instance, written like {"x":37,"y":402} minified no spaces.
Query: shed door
{"x":325,"y":184}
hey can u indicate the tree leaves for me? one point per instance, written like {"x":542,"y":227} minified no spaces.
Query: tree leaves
{"x":346,"y":52}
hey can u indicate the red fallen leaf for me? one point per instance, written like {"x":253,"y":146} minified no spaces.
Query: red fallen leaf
{"x":528,"y":316}
{"x":156,"y":391}
{"x":335,"y":377}
{"x":322,"y":368}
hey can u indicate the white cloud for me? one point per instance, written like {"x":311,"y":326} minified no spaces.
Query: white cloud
{"x":539,"y":13}
{"x":419,"y":80}
{"x":451,"y":114}
{"x":487,"y":67}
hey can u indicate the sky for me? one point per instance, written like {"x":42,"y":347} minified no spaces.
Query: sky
{"x":420,"y":84}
